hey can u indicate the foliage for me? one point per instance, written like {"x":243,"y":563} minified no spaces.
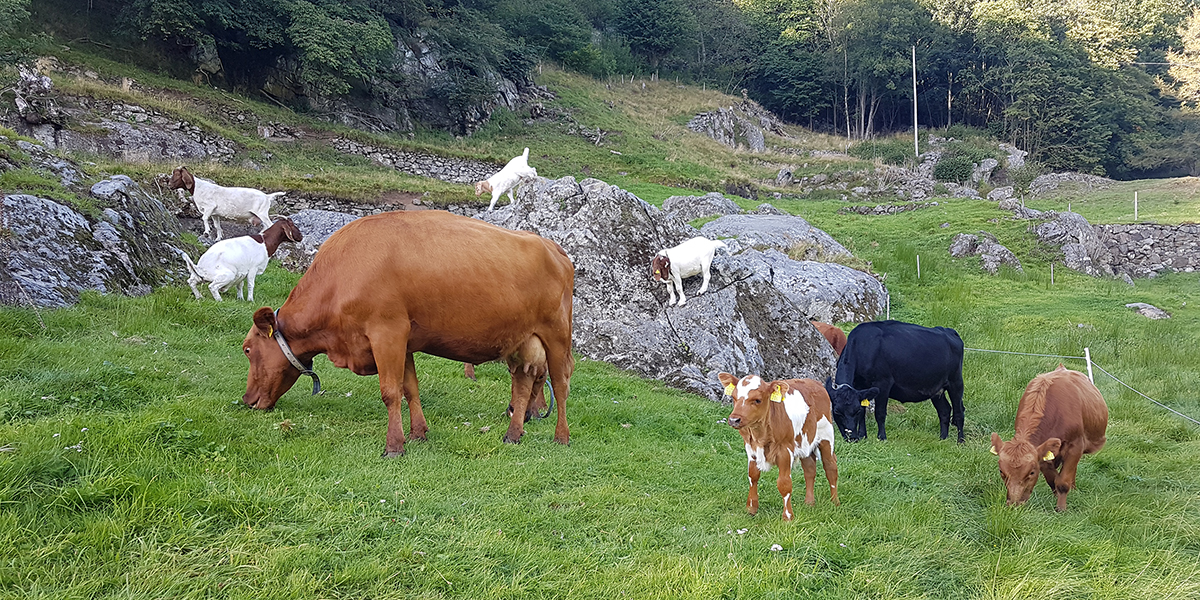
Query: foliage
{"x":954,"y":167}
{"x":654,"y":28}
{"x":892,"y":151}
{"x":13,"y":15}
{"x":334,"y":47}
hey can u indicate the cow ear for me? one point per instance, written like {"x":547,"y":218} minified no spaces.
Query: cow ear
{"x":996,"y":444}
{"x":1049,"y":449}
{"x":779,"y":389}
{"x":727,"y":380}
{"x":264,"y":321}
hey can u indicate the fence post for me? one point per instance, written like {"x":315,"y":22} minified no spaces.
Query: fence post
{"x":889,"y":307}
{"x":1135,"y":207}
{"x":918,"y":266}
{"x":1087,"y":356}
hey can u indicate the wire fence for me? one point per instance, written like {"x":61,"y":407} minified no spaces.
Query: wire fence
{"x":1091,"y":363}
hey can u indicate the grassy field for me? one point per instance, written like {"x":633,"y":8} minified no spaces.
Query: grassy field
{"x":131,"y":471}
{"x":128,"y":468}
{"x":1166,"y":201}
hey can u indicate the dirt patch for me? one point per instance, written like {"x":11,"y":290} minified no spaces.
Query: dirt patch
{"x":398,"y":200}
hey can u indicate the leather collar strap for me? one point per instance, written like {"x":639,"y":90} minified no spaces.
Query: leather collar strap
{"x":287,"y":351}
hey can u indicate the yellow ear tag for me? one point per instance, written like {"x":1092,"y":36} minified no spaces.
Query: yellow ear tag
{"x":729,"y":390}
{"x":866,"y":402}
{"x":270,"y":332}
{"x":992,"y":449}
{"x":777,"y":395}
{"x":1049,"y":456}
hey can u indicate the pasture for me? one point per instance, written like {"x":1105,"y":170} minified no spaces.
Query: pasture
{"x":130,"y":470}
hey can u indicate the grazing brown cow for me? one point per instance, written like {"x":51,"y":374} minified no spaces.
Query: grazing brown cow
{"x":782,"y":422}
{"x":388,"y":285}
{"x":833,"y":334}
{"x":1061,"y":417}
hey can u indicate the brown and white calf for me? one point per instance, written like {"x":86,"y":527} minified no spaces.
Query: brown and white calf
{"x":783,"y":422}
{"x":1061,"y":417}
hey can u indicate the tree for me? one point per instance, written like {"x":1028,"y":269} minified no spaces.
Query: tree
{"x":654,"y":28}
{"x":13,"y":14}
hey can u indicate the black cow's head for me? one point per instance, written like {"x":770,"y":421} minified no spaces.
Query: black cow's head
{"x":849,"y":408}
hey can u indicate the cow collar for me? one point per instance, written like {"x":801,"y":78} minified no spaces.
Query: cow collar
{"x":287,"y":351}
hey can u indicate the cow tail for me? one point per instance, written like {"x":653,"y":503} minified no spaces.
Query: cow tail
{"x":190,"y":265}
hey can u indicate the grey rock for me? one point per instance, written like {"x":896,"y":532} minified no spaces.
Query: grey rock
{"x":767,"y":209}
{"x":780,"y":232}
{"x":1016,"y":157}
{"x":54,"y":252}
{"x":317,"y":226}
{"x":964,"y":244}
{"x":737,"y":126}
{"x":1001,"y":193}
{"x":690,"y":208}
{"x":1148,"y":310}
{"x":991,"y":253}
{"x":744,"y":324}
{"x":1044,"y":184}
{"x":1082,"y":249}
{"x":982,"y":172}
{"x":827,"y":292}
{"x":784,"y":177}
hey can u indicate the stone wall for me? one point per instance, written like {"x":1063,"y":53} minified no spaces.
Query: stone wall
{"x":1144,"y":250}
{"x":445,"y":168}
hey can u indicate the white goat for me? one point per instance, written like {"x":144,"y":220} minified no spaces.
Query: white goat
{"x":507,"y":179}
{"x":693,"y":257}
{"x":239,"y":260}
{"x":215,"y":201}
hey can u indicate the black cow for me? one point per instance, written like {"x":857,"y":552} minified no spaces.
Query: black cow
{"x":891,"y":359}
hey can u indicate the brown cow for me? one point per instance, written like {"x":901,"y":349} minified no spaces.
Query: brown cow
{"x":781,"y":422}
{"x":833,"y":334}
{"x":388,"y":285}
{"x":1061,"y":417}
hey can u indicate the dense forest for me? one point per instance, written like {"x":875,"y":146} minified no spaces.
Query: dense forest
{"x":1103,"y":86}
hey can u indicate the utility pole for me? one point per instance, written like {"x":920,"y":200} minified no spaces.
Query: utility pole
{"x":916,"y":144}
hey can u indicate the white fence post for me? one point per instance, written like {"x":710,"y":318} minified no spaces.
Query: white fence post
{"x":1135,"y":207}
{"x":918,"y":266}
{"x":1087,"y":356}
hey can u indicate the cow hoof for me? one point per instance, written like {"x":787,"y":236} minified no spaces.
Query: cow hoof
{"x":393,"y":454}
{"x":506,"y":440}
{"x":566,"y":441}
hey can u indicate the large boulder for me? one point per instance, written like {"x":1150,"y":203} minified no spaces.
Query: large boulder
{"x":743,"y":324}
{"x":1083,"y":250}
{"x":317,"y":226}
{"x":781,"y":232}
{"x":690,"y":208}
{"x":824,"y":291}
{"x":991,"y":253}
{"x":55,"y":252}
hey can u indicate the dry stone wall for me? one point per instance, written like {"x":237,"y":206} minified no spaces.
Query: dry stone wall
{"x":1144,"y":250}
{"x":445,"y":168}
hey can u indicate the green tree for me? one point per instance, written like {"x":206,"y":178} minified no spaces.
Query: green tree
{"x":655,"y":28}
{"x":13,"y":14}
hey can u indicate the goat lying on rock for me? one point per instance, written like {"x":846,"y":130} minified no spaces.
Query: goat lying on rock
{"x":506,"y":179}
{"x":239,"y":260}
{"x":693,"y":257}
{"x":215,"y":201}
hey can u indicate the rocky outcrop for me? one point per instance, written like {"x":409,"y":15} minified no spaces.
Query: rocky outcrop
{"x":824,"y":291}
{"x":317,"y":226}
{"x":740,"y":126}
{"x":1044,"y":184}
{"x":885,"y":209}
{"x":53,"y":252}
{"x":991,"y":253}
{"x":1083,"y":250}
{"x":745,"y":323}
{"x":690,"y":208}
{"x":771,"y":231}
{"x":1000,"y":194}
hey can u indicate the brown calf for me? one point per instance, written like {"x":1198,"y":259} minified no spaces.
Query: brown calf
{"x":783,"y":422}
{"x":833,"y":334}
{"x":1061,"y":417}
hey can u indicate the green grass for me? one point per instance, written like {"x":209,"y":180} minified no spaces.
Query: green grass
{"x":1166,"y":201}
{"x":178,"y":491}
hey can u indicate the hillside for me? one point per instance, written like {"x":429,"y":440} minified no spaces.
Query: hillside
{"x":128,"y":470}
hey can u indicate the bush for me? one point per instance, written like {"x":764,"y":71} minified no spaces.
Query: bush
{"x":1021,"y":178}
{"x":954,"y":167}
{"x":894,"y":151}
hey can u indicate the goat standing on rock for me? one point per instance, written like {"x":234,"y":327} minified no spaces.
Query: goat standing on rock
{"x":239,"y":260}
{"x":215,"y":201}
{"x":693,"y":257}
{"x":506,"y":179}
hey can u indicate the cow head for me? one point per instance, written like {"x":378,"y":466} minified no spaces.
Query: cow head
{"x":271,"y":375}
{"x":660,"y":268}
{"x":751,"y":398}
{"x":849,"y":408}
{"x":181,"y":178}
{"x":482,"y":187}
{"x":1020,"y":464}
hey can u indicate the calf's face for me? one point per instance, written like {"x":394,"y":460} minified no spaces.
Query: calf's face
{"x":751,"y":398}
{"x":849,"y":408}
{"x":271,"y":375}
{"x":1020,"y":463}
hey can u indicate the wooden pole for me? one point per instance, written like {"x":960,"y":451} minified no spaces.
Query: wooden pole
{"x":916,"y":145}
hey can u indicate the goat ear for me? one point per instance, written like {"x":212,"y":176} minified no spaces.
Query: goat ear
{"x":264,"y":321}
{"x":189,"y":182}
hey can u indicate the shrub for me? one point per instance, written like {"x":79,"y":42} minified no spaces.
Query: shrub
{"x":954,"y":167}
{"x":893,"y":151}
